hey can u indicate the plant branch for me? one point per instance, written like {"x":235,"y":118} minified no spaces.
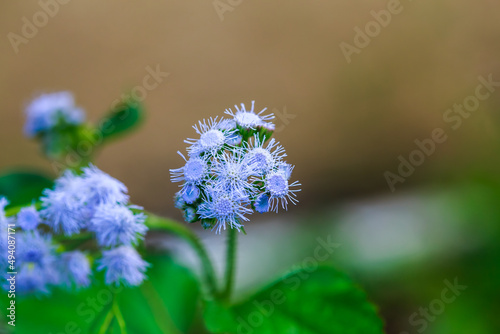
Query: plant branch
{"x":230,"y":263}
{"x":158,"y":223}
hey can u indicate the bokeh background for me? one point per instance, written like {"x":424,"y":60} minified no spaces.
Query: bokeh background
{"x":344,"y":124}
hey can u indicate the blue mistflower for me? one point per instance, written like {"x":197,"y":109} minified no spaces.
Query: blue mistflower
{"x":123,"y":265}
{"x":102,"y":188}
{"x":194,"y":171}
{"x":212,"y":138}
{"x":279,"y":189}
{"x":227,"y":207}
{"x":233,"y":173}
{"x":70,"y":206}
{"x":264,"y":159}
{"x":249,"y":119}
{"x":35,"y":248}
{"x":63,"y":208}
{"x":49,"y":110}
{"x":28,"y":218}
{"x":75,"y":269}
{"x":116,"y":225}
{"x":233,"y":167}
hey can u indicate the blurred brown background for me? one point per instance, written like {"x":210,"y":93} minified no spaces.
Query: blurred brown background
{"x":347,"y":125}
{"x":351,"y":120}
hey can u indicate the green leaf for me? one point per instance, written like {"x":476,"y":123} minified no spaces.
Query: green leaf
{"x":323,"y":301}
{"x":124,"y":117}
{"x":22,"y":188}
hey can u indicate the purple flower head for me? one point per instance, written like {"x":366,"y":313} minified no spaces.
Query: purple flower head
{"x":74,"y":270}
{"x":63,"y":208}
{"x":101,"y":188}
{"x":235,"y":168}
{"x":227,"y":207}
{"x":28,"y":218}
{"x":262,"y":158}
{"x":115,"y":225}
{"x":280,"y":190}
{"x":35,"y":249}
{"x":195,"y":170}
{"x":48,"y":110}
{"x":248,"y":119}
{"x":212,"y":138}
{"x":233,"y":174}
{"x":123,"y":265}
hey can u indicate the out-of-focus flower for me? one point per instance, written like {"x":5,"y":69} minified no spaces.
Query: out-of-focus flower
{"x":123,"y":265}
{"x":102,"y":188}
{"x":63,"y":208}
{"x":75,"y":270}
{"x":116,"y":225}
{"x":28,"y":218}
{"x":50,"y":110}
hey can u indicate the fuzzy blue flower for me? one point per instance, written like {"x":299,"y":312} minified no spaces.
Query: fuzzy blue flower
{"x":263,"y":158}
{"x":28,"y":218}
{"x":233,"y":174}
{"x":228,"y":208}
{"x":49,"y":110}
{"x":235,"y":168}
{"x":101,"y":188}
{"x":212,"y":138}
{"x":115,"y":225}
{"x":280,"y":191}
{"x":63,"y":208}
{"x":123,"y":265}
{"x":36,"y":249}
{"x":195,"y":171}
{"x":74,"y":270}
{"x":248,"y":119}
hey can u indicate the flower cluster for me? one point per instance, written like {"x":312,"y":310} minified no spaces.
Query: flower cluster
{"x":232,"y":169}
{"x":92,"y":204}
{"x":47,"y":111}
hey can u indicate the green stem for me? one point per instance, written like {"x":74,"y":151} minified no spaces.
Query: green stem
{"x":107,"y":322}
{"x":230,"y":263}
{"x":119,"y":316}
{"x":157,"y":223}
{"x":158,"y":308}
